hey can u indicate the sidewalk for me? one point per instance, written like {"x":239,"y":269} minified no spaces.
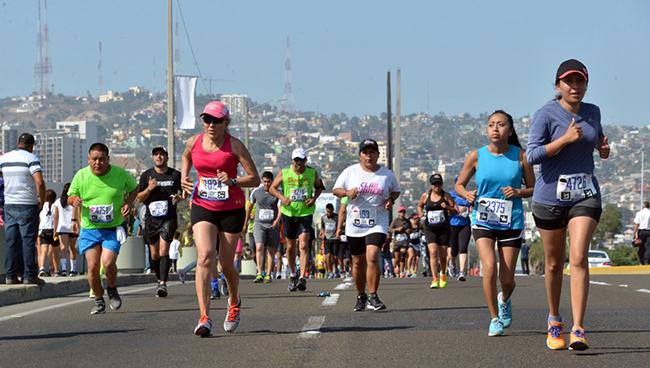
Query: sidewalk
{"x":61,"y":286}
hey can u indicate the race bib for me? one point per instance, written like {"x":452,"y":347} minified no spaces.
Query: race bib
{"x":575,"y":187}
{"x":298,"y":195}
{"x":436,"y":217}
{"x":495,"y":212}
{"x":266,"y":214}
{"x":159,"y":208}
{"x":415,"y":235}
{"x":101,"y":213}
{"x":401,"y":237}
{"x":330,"y":226}
{"x":364,"y":218}
{"x":211,"y":189}
{"x":344,"y":238}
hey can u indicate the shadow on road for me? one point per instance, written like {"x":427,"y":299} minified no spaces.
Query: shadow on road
{"x":329,"y":330}
{"x":431,"y":309}
{"x":615,"y":351}
{"x":60,"y":335}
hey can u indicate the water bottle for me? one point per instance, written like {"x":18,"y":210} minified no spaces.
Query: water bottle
{"x":323,"y":294}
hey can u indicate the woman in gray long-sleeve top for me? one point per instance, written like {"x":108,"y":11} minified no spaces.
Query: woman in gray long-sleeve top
{"x":563,"y":135}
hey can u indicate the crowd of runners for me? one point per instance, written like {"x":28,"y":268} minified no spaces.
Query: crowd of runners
{"x":353,"y":237}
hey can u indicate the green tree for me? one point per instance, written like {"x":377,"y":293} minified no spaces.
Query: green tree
{"x":610,"y":223}
{"x":623,"y":255}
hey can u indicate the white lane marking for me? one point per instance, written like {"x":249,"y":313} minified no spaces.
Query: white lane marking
{"x":331,"y":300}
{"x":311,"y":329}
{"x":347,"y":279}
{"x":623,"y":285}
{"x":65,"y":304}
{"x":643,"y":291}
{"x":600,"y":283}
{"x":343,"y":286}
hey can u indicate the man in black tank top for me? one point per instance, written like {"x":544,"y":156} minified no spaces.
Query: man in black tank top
{"x":159,"y":192}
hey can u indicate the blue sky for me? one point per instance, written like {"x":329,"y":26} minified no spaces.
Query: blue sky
{"x":460,"y":56}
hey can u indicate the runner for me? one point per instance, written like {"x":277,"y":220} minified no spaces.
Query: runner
{"x":48,"y":249}
{"x":217,"y":207}
{"x":460,"y":233}
{"x":498,"y":214}
{"x":400,"y":228}
{"x":301,"y":185}
{"x":66,"y":229}
{"x":372,"y":190}
{"x":159,"y":192}
{"x":328,"y":231}
{"x":413,"y":252}
{"x":435,"y":207}
{"x":105,"y":193}
{"x":344,"y":256}
{"x":266,"y":228}
{"x":563,"y":135}
{"x":642,"y":233}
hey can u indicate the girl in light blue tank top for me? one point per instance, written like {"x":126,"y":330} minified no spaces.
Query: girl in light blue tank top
{"x":498,"y":215}
{"x":492,"y":209}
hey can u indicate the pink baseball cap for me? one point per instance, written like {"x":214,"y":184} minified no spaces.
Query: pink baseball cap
{"x":216,"y":109}
{"x":401,"y":209}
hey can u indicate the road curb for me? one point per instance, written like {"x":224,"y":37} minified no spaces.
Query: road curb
{"x":617,"y":270}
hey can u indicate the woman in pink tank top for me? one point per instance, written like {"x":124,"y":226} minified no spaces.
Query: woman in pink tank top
{"x":217,"y":207}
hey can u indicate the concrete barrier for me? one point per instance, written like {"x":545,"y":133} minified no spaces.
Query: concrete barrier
{"x":131,"y":258}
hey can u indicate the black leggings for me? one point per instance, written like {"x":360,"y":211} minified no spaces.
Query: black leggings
{"x":459,"y":239}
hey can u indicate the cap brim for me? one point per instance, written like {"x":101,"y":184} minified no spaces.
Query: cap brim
{"x":567,"y":73}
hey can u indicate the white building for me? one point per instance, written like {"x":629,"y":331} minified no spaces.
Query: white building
{"x":8,"y":139}
{"x":237,"y":104}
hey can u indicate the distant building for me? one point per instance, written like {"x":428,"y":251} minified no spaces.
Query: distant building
{"x":237,"y":104}
{"x":383,"y":154}
{"x":8,"y":139}
{"x":110,"y":96}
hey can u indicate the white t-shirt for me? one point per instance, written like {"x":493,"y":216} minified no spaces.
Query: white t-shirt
{"x":366,"y":213}
{"x":643,"y":219}
{"x":173,"y":249}
{"x":65,"y":217}
{"x":46,"y":218}
{"x":18,"y":168}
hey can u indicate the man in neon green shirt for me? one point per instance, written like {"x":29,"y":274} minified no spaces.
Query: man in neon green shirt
{"x":301,"y":185}
{"x":105,"y":194}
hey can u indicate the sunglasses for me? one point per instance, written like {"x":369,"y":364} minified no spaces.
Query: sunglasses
{"x":212,"y":120}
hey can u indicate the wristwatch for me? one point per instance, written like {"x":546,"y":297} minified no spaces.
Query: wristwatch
{"x":233,"y":181}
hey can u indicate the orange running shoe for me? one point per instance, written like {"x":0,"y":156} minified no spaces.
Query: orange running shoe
{"x":577,"y":340}
{"x":555,"y":336}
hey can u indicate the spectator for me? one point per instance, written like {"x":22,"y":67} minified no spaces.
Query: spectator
{"x":642,"y":233}
{"x":24,"y":194}
{"x":525,"y":267}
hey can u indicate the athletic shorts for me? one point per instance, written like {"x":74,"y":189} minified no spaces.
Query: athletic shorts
{"x":156,"y":228}
{"x":231,"y":221}
{"x":295,"y":226}
{"x":358,"y":245}
{"x":269,"y":237}
{"x":415,"y":247}
{"x":46,"y":236}
{"x":344,"y":250}
{"x":504,"y":238}
{"x":438,"y":235}
{"x":549,"y":217}
{"x":459,"y":239}
{"x":71,"y":235}
{"x":106,"y":238}
{"x":331,"y":246}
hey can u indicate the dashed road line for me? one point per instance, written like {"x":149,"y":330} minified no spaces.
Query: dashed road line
{"x":311,"y":329}
{"x":331,"y":300}
{"x":600,"y":283}
{"x":643,"y":291}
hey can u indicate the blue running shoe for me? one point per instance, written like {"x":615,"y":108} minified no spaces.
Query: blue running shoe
{"x":505,"y":310}
{"x":496,"y":327}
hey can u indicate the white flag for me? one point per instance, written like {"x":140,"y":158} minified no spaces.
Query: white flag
{"x":184,"y":101}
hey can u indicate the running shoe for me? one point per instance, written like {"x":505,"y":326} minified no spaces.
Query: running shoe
{"x":293,"y":284}
{"x":362,"y":300}
{"x":443,"y":280}
{"x":161,"y":291}
{"x":302,"y":284}
{"x":434,"y":283}
{"x":72,"y":273}
{"x":496,"y":327}
{"x":577,"y":340}
{"x":461,"y":276}
{"x":374,"y":303}
{"x":505,"y":310}
{"x":259,"y":278}
{"x":223,"y":286}
{"x":91,"y":294}
{"x":214,"y":291}
{"x":41,"y":272}
{"x":555,"y":336}
{"x":278,"y":276}
{"x":204,"y":328}
{"x":99,"y":308}
{"x":268,"y":279}
{"x":114,"y":299}
{"x":63,"y":273}
{"x":232,"y":317}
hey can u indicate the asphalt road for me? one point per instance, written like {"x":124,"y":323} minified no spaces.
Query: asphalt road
{"x":421,"y":327}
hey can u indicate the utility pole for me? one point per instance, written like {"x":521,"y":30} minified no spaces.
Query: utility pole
{"x":389,"y":134}
{"x":398,"y":134}
{"x":642,"y":172}
{"x":170,"y":86}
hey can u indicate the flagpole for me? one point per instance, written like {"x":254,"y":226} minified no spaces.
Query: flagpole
{"x":170,"y":88}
